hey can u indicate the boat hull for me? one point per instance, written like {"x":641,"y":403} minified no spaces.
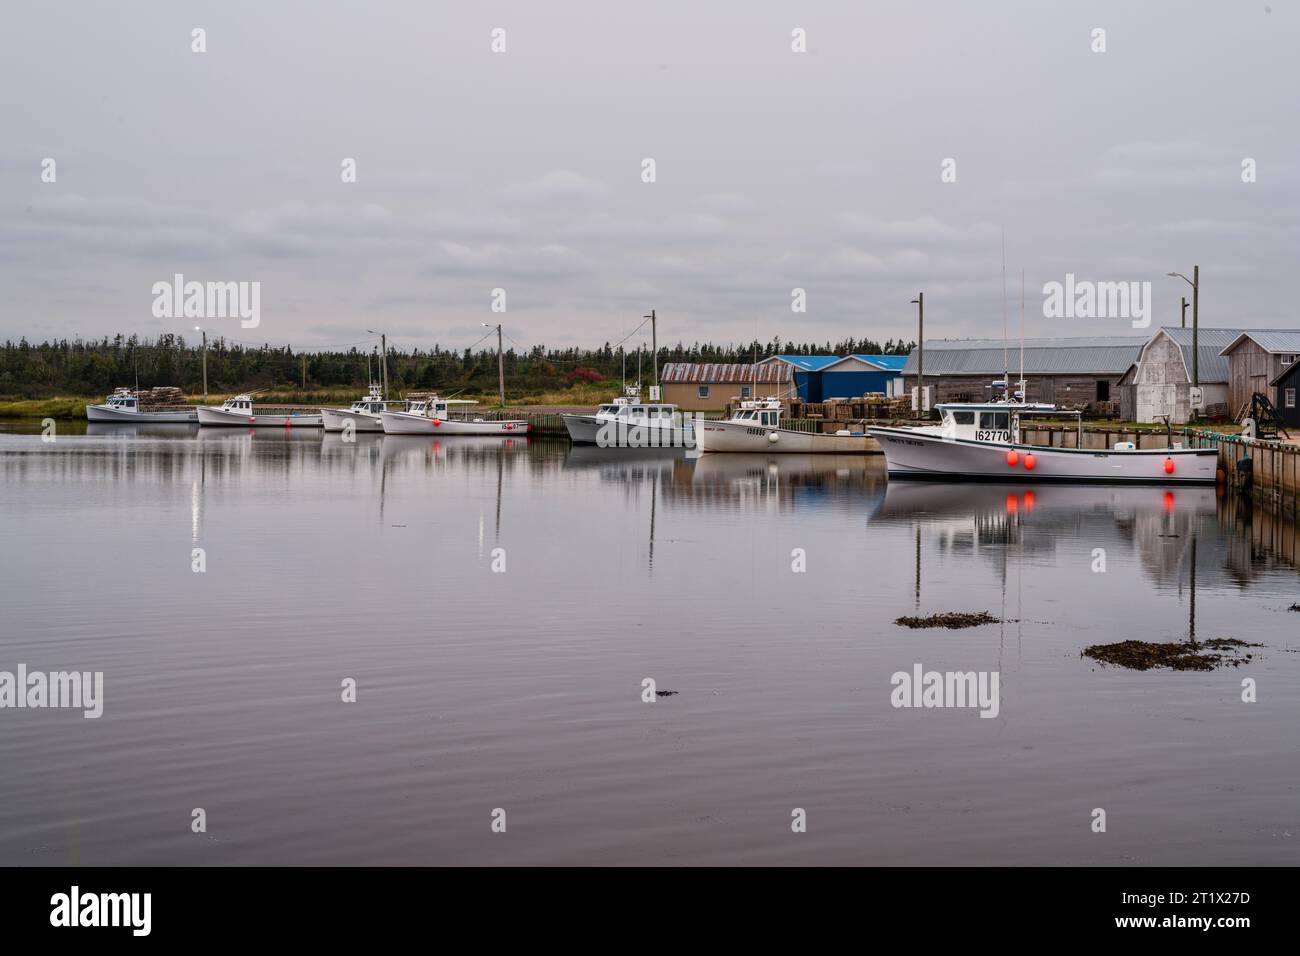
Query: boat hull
{"x":410,"y":423}
{"x":103,"y":413}
{"x":336,"y":419}
{"x":742,"y":437}
{"x":910,"y":455}
{"x":606,"y":433}
{"x":221,"y":416}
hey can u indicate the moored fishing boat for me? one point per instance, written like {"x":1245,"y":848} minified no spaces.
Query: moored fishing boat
{"x":755,"y":426}
{"x":124,"y":406}
{"x":981,"y":441}
{"x":364,"y":413}
{"x":627,"y":422}
{"x":430,"y":417}
{"x":240,"y":410}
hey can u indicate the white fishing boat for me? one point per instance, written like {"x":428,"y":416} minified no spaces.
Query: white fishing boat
{"x":627,"y":422}
{"x":755,"y":426}
{"x":123,"y":406}
{"x":364,"y":413}
{"x":240,"y":410}
{"x":431,"y":417}
{"x":981,"y":441}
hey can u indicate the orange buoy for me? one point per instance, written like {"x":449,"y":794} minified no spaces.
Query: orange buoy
{"x":1013,"y":458}
{"x":1030,"y":461}
{"x":1169,"y":466}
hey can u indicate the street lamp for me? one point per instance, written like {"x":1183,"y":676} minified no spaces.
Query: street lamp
{"x":919,"y":302}
{"x":205,"y":361}
{"x":501,"y":364}
{"x":383,"y":366}
{"x":1195,"y":283}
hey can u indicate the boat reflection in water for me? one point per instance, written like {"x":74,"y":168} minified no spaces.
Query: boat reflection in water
{"x":741,"y":480}
{"x":142,"y":429}
{"x":1160,"y":526}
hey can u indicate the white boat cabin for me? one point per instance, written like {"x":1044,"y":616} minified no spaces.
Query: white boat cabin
{"x":238,"y":403}
{"x":631,"y":413}
{"x":123,"y":400}
{"x":996,"y":423}
{"x":374,"y":403}
{"x":762,"y":413}
{"x":435,"y":407}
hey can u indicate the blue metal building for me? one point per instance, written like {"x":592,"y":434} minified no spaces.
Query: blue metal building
{"x":819,"y":377}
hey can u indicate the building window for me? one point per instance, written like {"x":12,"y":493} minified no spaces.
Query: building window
{"x":1287,"y":360}
{"x":1289,"y":400}
{"x":1103,"y":390}
{"x":745,"y":391}
{"x":702,"y":391}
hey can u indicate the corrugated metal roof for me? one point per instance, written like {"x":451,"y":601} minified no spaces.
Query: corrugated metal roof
{"x":807,"y":363}
{"x":889,"y":363}
{"x":711,"y":373}
{"x":1101,"y":355}
{"x":1270,"y":340}
{"x":1210,"y":344}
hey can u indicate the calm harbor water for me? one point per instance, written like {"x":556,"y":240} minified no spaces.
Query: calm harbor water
{"x":521,"y":690}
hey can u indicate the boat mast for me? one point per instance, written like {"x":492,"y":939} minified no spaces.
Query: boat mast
{"x":1006,"y":365}
{"x":1024,"y":393}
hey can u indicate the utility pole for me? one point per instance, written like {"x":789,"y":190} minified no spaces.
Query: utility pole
{"x":919,"y":302}
{"x":1183,"y":304}
{"x":1195,"y":283}
{"x":1196,"y":315}
{"x":304,"y":371}
{"x":654,"y":345}
{"x":501,"y":368}
{"x":205,"y":360}
{"x":501,"y":364}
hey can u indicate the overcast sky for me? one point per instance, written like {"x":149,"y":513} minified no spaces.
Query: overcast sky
{"x":523,"y":170}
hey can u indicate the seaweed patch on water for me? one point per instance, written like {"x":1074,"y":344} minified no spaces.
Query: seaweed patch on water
{"x":665,"y":693}
{"x":949,"y":619}
{"x":1200,"y":656}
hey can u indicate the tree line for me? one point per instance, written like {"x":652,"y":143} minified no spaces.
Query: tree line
{"x":79,"y":367}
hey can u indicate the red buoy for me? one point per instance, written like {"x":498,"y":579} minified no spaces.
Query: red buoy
{"x":1169,"y":466}
{"x":1030,"y":461}
{"x":437,"y":423}
{"x":1013,"y":458}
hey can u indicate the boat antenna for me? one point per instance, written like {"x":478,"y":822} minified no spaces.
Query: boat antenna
{"x":1006,"y":365}
{"x":1024,"y":393}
